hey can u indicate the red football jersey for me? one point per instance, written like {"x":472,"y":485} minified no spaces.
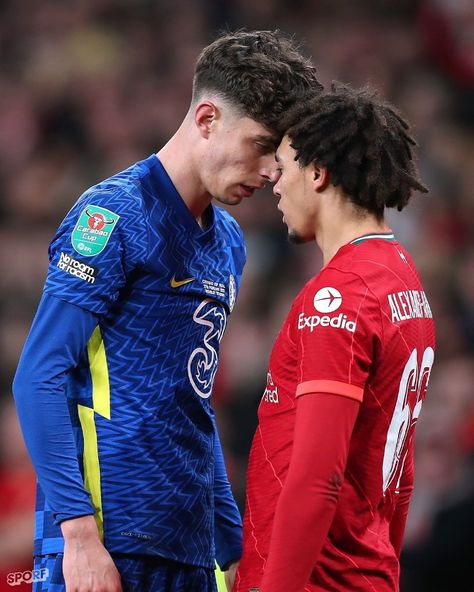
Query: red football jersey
{"x":362,"y":328}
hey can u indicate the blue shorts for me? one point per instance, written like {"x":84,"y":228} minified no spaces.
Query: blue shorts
{"x":139,"y":573}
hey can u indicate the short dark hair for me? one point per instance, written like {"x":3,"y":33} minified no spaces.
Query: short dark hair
{"x":364,"y":143}
{"x":263,"y":73}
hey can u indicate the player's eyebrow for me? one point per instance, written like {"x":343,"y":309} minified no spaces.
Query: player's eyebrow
{"x":271,"y":141}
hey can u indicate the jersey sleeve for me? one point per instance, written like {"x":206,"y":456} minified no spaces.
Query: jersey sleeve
{"x":337,"y":328}
{"x":227,"y":519}
{"x":59,"y":333}
{"x":100,"y":242}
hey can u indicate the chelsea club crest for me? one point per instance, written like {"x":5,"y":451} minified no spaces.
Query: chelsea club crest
{"x":232,"y":292}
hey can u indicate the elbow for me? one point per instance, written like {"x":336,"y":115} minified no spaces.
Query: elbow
{"x":325,"y":488}
{"x":335,"y":482}
{"x":334,"y":486}
{"x":19,"y":385}
{"x":23,"y":386}
{"x":329,"y":488}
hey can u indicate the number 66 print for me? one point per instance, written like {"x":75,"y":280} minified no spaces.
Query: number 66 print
{"x":414,"y":380}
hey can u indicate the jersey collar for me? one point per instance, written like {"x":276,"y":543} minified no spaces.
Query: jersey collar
{"x":163,"y":182}
{"x":388,"y":236}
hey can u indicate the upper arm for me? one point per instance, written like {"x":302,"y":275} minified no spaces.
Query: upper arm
{"x":323,"y":427}
{"x":59,"y":333}
{"x":99,"y":243}
{"x":336,"y":331}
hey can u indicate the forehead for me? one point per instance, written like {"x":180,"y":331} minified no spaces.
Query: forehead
{"x":234,"y":117}
{"x":284,"y":151}
{"x":257,"y":130}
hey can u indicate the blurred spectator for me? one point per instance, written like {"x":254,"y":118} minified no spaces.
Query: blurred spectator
{"x":438,"y":541}
{"x":17,"y":500}
{"x":89,"y":86}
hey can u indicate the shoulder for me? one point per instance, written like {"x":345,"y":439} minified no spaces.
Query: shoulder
{"x":336,"y":278}
{"x":111,"y":211}
{"x":117,"y":200}
{"x":121,"y":192}
{"x":337,"y":296}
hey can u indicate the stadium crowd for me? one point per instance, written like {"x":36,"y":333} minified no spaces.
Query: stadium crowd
{"x":88,"y":87}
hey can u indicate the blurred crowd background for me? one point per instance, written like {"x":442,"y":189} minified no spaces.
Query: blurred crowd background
{"x":88,"y":87}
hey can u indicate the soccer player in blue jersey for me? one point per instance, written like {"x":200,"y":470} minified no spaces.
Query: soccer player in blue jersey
{"x":114,"y":382}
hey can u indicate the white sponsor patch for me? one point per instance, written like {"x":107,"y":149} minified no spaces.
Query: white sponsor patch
{"x":327,"y":300}
{"x":77,"y":268}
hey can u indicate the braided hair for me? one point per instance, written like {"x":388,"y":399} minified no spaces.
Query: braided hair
{"x":363,"y":142}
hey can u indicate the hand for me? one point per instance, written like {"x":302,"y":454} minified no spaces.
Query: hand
{"x":229,"y":575}
{"x":87,"y":565}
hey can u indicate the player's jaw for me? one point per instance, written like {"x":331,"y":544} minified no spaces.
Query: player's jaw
{"x":299,"y":220}
{"x":296,"y":201}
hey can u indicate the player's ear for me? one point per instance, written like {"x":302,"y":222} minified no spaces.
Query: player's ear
{"x":320,"y":177}
{"x":204,"y":114}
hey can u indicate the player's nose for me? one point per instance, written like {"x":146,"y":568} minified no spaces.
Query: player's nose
{"x":276,"y":187}
{"x":269,"y":168}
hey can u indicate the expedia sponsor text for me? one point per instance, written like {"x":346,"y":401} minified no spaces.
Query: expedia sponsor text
{"x":313,"y":321}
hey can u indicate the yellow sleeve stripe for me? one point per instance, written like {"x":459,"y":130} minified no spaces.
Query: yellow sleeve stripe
{"x":91,"y":464}
{"x":101,"y":405}
{"x":99,"y":374}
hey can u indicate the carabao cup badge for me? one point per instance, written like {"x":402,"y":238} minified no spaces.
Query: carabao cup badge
{"x":93,"y":229}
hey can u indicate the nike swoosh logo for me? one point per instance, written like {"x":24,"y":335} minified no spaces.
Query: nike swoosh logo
{"x":174,"y":283}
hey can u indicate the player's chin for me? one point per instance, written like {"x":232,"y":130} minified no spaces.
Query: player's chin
{"x":295,"y":238}
{"x":230,"y":200}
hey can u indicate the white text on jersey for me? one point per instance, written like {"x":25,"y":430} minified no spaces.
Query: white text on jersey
{"x":409,"y":304}
{"x":339,"y":322}
{"x":270,"y":394}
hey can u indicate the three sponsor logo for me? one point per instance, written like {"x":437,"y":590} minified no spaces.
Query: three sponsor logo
{"x":202,"y":363}
{"x":326,"y":300}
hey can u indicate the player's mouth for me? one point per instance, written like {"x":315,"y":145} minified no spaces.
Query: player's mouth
{"x":246,"y":190}
{"x":280,"y":210}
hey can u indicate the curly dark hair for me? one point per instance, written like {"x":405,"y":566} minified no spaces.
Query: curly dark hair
{"x":263,"y":73}
{"x":364,"y":143}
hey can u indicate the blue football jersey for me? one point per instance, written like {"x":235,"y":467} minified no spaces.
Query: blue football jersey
{"x":131,"y":252}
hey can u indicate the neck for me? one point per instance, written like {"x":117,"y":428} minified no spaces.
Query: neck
{"x":177,"y":158}
{"x":340,"y":223}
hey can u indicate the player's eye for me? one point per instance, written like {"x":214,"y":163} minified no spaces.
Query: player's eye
{"x":264,"y":147}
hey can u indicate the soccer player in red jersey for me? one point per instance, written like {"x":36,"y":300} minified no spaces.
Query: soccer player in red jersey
{"x":331,"y":467}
